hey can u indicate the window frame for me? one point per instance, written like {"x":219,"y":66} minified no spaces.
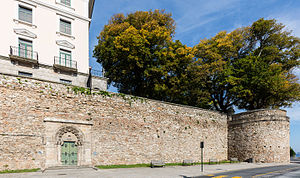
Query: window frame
{"x":25,"y":10}
{"x":63,"y":28}
{"x":28,"y":50}
{"x":63,"y":57}
{"x":65,"y":2}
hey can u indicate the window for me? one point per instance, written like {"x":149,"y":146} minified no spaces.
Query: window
{"x":26,"y":74}
{"x":25,"y":49}
{"x":65,"y":81}
{"x":65,"y":27}
{"x":66,"y":2}
{"x":65,"y":58}
{"x":25,"y":14}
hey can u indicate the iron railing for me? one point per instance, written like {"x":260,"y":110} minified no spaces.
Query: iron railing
{"x":24,"y":53}
{"x":62,"y":61}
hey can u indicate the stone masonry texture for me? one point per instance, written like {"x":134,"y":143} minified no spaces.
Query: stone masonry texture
{"x":123,"y":131}
{"x":127,"y":131}
{"x":262,"y":135}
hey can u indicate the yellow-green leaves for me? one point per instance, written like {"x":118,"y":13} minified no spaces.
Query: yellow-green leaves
{"x":250,"y":67}
{"x":139,"y":55}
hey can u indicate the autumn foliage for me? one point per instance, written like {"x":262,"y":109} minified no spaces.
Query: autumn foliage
{"x":250,"y":67}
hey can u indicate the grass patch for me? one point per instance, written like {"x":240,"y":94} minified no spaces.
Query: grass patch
{"x":148,"y":165}
{"x":18,"y":171}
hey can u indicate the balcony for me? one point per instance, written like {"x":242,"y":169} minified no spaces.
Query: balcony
{"x":24,"y":55}
{"x":63,"y":64}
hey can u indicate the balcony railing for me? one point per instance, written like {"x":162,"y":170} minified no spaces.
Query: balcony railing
{"x":24,"y":54}
{"x":63,"y":63}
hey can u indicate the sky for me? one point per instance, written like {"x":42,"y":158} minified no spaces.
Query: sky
{"x":198,"y":19}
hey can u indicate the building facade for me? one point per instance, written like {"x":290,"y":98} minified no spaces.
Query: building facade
{"x":47,"y":40}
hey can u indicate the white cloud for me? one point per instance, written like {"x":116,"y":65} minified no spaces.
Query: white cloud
{"x":290,"y":19}
{"x":291,"y":22}
{"x":198,"y":13}
{"x":294,"y":111}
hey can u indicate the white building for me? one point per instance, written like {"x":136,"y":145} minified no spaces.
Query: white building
{"x":47,"y":40}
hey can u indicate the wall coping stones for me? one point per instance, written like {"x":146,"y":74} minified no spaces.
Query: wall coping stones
{"x":258,"y":110}
{"x":180,"y":105}
{"x":259,"y":115}
{"x":50,"y":119}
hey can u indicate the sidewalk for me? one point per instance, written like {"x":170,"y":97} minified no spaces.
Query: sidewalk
{"x":166,"y":172}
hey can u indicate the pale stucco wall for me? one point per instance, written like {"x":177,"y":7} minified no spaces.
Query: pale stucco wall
{"x":46,"y":17}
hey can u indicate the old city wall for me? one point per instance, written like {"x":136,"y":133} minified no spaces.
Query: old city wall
{"x":114,"y":129}
{"x":262,"y":135}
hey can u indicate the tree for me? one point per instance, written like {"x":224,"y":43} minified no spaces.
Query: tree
{"x":265,"y":74}
{"x":250,"y":67}
{"x":216,"y":56}
{"x":141,"y":58}
{"x":170,"y":77}
{"x":264,"y":85}
{"x":292,"y":152}
{"x":130,"y":46}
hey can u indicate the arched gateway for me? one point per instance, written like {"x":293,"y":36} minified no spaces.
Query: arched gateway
{"x":70,"y":143}
{"x":70,"y":140}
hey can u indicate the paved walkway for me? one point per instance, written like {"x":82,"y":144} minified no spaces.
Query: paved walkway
{"x":166,"y":172}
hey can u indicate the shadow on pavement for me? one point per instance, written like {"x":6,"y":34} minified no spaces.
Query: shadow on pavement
{"x":295,"y":160}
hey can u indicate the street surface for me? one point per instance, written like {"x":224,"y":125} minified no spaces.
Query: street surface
{"x":274,"y":171}
{"x":236,"y":170}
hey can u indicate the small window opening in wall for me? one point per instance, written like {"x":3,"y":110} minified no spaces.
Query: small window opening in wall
{"x":26,"y":74}
{"x":25,"y":14}
{"x":66,"y":2}
{"x":65,"y":81}
{"x":65,"y":26}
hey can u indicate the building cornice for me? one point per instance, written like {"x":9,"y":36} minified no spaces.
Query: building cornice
{"x":56,"y":9}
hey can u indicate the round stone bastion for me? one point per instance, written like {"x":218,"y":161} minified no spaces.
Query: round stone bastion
{"x":259,"y":136}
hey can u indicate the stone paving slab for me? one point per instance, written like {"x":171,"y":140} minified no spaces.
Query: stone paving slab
{"x":166,"y":172}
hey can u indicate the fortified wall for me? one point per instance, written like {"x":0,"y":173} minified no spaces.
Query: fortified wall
{"x":46,"y":124}
{"x":38,"y":119}
{"x":260,"y":135}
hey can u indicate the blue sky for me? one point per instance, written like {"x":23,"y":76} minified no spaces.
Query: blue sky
{"x":198,"y":19}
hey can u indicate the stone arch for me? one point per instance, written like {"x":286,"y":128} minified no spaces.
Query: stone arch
{"x":69,"y":133}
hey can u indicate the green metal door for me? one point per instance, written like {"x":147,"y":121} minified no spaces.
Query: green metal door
{"x":69,"y":153}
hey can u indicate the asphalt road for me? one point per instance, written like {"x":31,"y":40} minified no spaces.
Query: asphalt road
{"x":285,"y":171}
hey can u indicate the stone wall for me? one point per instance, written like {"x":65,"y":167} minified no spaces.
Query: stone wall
{"x":262,"y":135}
{"x":125,"y":134}
{"x":120,"y":129}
